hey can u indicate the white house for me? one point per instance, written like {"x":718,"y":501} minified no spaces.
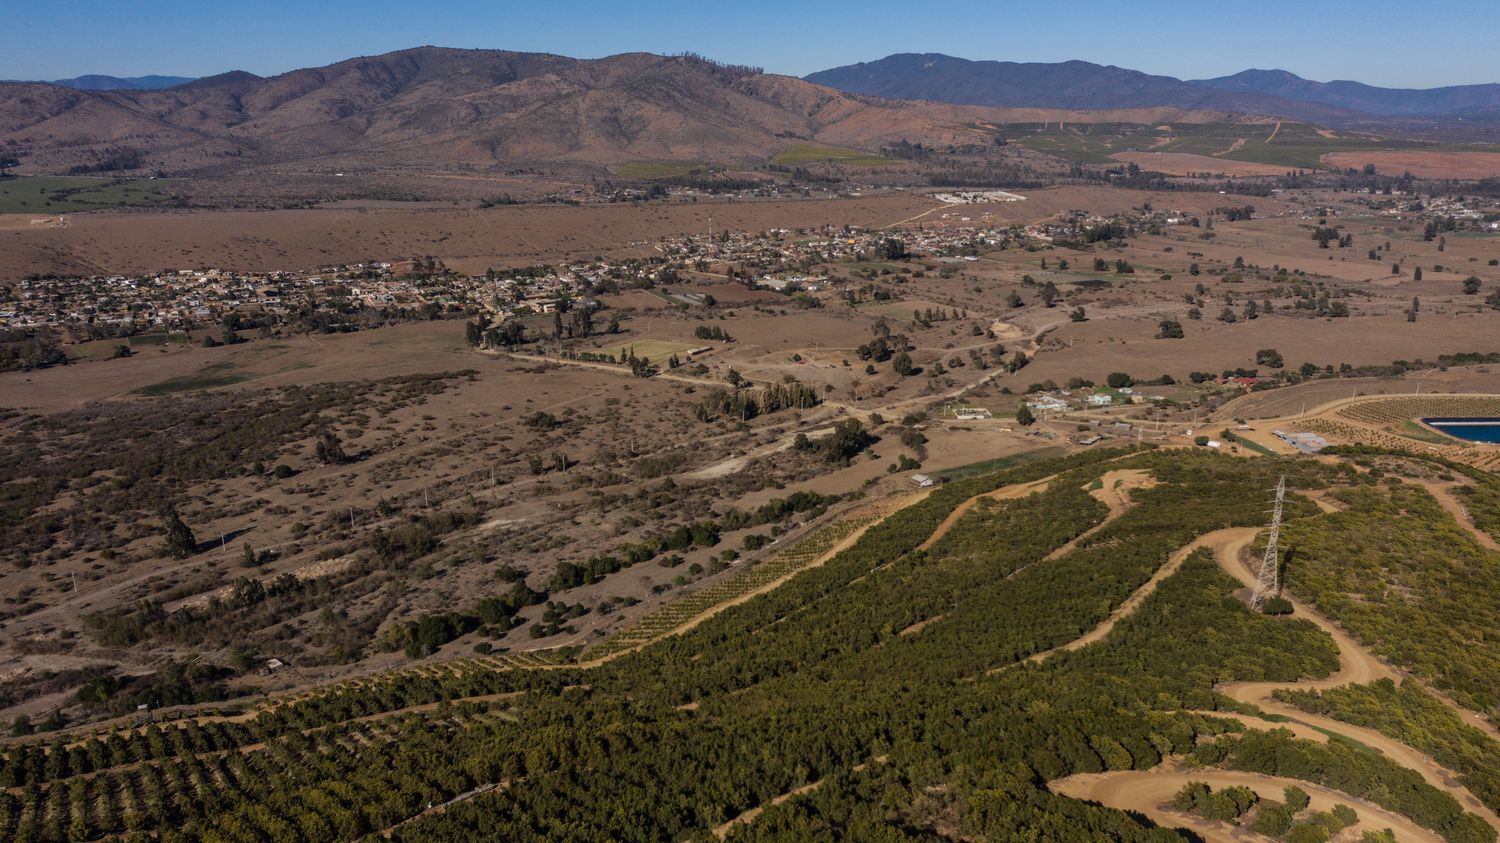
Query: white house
{"x":1047,"y":404}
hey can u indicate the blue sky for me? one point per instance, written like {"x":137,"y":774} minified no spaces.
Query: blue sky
{"x":1384,"y":42}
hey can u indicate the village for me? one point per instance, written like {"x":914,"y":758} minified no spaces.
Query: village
{"x":118,"y":306}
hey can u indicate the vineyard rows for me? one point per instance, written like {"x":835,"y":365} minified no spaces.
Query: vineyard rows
{"x":1383,"y":411}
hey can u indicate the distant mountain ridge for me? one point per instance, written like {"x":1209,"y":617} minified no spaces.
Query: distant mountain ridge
{"x":1085,"y":85}
{"x":1357,"y":96}
{"x":99,"y":82}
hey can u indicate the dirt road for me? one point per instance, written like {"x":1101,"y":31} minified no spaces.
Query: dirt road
{"x":1147,"y":790}
{"x":1134,"y":601}
{"x":1150,"y":792}
{"x":1019,"y":490}
{"x":1443,"y":492}
{"x":1357,"y":665}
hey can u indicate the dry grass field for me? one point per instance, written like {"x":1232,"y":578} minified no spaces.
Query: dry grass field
{"x":467,"y":239}
{"x":1187,"y":163}
{"x":473,"y":239}
{"x":1428,"y":164}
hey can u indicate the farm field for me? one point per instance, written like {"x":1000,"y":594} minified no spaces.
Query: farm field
{"x":70,"y":194}
{"x":1187,"y":163}
{"x":464,"y":443}
{"x":1182,"y":148}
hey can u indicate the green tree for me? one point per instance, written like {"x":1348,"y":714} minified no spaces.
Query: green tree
{"x":1024,"y":416}
{"x":179,"y":538}
{"x":329,"y":451}
{"x":1050,"y":294}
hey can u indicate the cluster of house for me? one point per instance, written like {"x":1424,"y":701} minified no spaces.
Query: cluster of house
{"x":1477,"y":211}
{"x":777,"y":259}
{"x":1063,"y":400}
{"x":184,"y":299}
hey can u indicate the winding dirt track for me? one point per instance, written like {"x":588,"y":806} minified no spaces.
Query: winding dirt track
{"x":1357,"y":665}
{"x":1443,"y":492}
{"x":1134,"y":601}
{"x":1020,"y":490}
{"x":1147,"y":790}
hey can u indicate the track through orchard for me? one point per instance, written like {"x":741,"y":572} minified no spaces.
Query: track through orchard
{"x":1142,"y":790}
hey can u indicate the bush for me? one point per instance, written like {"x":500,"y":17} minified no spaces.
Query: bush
{"x":1276,"y":606}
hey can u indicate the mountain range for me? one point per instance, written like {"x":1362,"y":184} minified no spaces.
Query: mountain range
{"x":97,"y":82}
{"x":1084,"y":85}
{"x":438,"y":108}
{"x":1357,"y":96}
{"x":433,"y":108}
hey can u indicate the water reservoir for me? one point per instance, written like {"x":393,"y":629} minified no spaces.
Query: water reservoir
{"x":1472,"y":429}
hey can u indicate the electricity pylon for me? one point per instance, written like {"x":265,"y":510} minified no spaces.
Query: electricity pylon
{"x":1269,"y":581}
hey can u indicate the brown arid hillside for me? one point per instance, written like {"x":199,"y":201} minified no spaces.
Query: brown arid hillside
{"x":437,"y":109}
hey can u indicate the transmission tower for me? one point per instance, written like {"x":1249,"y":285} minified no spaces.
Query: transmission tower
{"x":1269,"y":581}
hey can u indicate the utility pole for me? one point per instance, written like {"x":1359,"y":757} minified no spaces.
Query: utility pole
{"x":1268,"y":583}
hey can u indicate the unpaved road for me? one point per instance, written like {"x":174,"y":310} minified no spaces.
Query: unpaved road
{"x":1147,"y":790}
{"x":1443,"y":492}
{"x":1020,"y":490}
{"x":1134,"y":601}
{"x":1357,"y":665}
{"x":1150,"y":792}
{"x":734,"y":465}
{"x":1114,"y":493}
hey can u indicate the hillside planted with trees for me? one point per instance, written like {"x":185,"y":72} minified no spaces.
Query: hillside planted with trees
{"x":1397,"y":570}
{"x":883,"y":695}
